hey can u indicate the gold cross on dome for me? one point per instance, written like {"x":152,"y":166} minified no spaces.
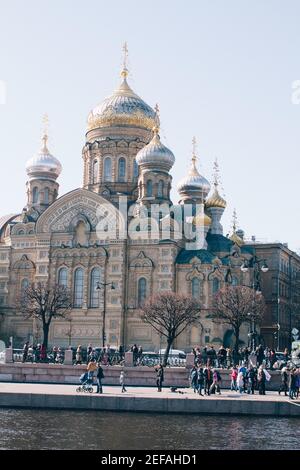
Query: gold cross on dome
{"x":124,"y":72}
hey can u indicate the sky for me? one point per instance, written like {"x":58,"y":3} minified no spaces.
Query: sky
{"x":222,"y":71}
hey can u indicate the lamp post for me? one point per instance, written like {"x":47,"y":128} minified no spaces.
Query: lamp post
{"x":259,"y":266}
{"x":99,"y":286}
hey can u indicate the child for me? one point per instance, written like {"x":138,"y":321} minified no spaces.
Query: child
{"x":122,"y":381}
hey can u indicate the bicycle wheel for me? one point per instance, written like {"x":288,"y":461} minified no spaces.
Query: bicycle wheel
{"x":91,"y":389}
{"x":78,"y":389}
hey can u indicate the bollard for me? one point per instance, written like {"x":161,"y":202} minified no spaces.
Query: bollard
{"x":129,"y":359}
{"x":190,"y":360}
{"x":8,"y":355}
{"x":68,"y":357}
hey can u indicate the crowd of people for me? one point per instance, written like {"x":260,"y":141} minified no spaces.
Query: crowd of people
{"x":226,"y":357}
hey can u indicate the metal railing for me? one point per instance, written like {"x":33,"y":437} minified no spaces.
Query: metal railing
{"x":155,"y":359}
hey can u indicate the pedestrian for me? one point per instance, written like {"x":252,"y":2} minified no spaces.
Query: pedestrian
{"x":193,"y":379}
{"x":159,"y":377}
{"x":122,"y":381}
{"x":200,"y":380}
{"x":208,"y":379}
{"x":292,"y":384}
{"x":240,"y":382}
{"x":43,"y":353}
{"x":261,"y":380}
{"x":284,"y":381}
{"x":91,"y":367}
{"x":215,"y":386}
{"x":100,"y":377}
{"x":25,"y":351}
{"x":78,"y":355}
{"x":297,"y":382}
{"x":233,"y":375}
{"x":251,"y":380}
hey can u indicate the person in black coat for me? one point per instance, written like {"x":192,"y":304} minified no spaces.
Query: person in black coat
{"x":99,"y":376}
{"x":208,"y":380}
{"x":159,"y":377}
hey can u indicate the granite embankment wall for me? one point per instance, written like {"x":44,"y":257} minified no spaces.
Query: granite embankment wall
{"x":138,"y":376}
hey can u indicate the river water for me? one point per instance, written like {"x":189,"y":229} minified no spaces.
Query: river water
{"x":98,"y":430}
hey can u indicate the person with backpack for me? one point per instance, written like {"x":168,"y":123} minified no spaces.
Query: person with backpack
{"x":100,"y":377}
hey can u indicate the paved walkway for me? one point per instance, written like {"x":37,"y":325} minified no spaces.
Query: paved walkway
{"x":143,"y":392}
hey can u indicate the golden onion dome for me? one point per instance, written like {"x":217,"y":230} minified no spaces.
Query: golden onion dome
{"x":123,"y":108}
{"x":215,"y":200}
{"x":202,"y":219}
{"x":236,"y":239}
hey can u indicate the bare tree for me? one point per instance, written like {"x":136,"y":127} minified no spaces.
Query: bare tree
{"x":236,"y":305}
{"x":170,"y":314}
{"x":45,"y":303}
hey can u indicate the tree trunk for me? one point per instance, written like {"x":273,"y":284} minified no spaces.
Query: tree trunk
{"x":237,"y":338}
{"x":166,"y":355}
{"x":46,"y":334}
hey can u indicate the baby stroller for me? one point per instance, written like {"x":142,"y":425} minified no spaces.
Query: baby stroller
{"x":86,"y":383}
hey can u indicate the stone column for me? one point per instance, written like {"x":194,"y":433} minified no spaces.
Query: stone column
{"x":129,"y":359}
{"x":8,"y":355}
{"x":68,"y":357}
{"x":190,"y":360}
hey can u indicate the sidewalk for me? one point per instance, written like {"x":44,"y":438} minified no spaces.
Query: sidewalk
{"x":145,"y":399}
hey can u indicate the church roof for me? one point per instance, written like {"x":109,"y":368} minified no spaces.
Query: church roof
{"x":185,"y":256}
{"x":5,"y":219}
{"x":218,"y":243}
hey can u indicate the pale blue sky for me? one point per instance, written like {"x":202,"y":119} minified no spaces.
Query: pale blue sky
{"x":220,"y":70}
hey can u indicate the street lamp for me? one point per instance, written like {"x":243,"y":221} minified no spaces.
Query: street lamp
{"x":259,"y":265}
{"x":102,"y":285}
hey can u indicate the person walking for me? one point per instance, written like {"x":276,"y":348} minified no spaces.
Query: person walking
{"x":240,"y":382}
{"x":284,"y":387}
{"x":100,"y":377}
{"x":200,"y":380}
{"x":215,"y":386}
{"x":251,"y":380}
{"x":292,"y":384}
{"x":233,"y":375}
{"x":25,"y":351}
{"x":261,"y":380}
{"x":159,"y":377}
{"x":208,"y":380}
{"x":78,"y":355}
{"x":193,"y":379}
{"x":91,"y":367}
{"x":122,"y":381}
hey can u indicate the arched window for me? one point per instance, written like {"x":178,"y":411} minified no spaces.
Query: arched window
{"x":107,"y":169}
{"x":35,"y":195}
{"x":215,"y":285}
{"x":149,"y":188}
{"x":63,"y":277}
{"x":46,"y":196}
{"x":196,"y":287}
{"x":142,"y":290}
{"x":121,"y":169}
{"x":160,"y":189}
{"x":94,"y":293}
{"x":135,"y":169}
{"x":78,"y":288}
{"x":234,"y":281}
{"x":24,"y":285}
{"x":95,"y":171}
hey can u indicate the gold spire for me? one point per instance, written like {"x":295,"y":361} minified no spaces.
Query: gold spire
{"x":125,"y":72}
{"x":156,"y":127}
{"x":193,"y":170}
{"x":215,"y":200}
{"x":234,"y":237}
{"x":45,"y":133}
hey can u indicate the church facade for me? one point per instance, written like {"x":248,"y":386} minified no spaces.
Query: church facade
{"x":119,"y":231}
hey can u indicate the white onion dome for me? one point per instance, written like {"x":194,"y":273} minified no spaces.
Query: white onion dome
{"x":43,"y":164}
{"x":155,"y":154}
{"x":123,"y":108}
{"x":193,"y":185}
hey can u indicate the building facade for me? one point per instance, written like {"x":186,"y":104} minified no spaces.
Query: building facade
{"x":120,"y":227}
